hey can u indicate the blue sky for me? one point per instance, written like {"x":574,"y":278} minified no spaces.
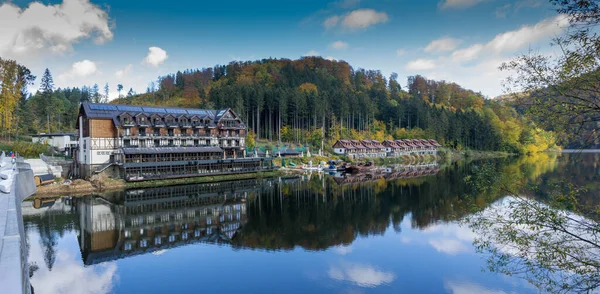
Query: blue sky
{"x":134,"y":42}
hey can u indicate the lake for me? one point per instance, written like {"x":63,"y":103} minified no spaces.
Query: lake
{"x":400,"y":233}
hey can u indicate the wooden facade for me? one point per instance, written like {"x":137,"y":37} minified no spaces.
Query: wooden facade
{"x":389,"y":148}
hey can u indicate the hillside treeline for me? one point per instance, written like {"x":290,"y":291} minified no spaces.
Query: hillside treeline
{"x":303,"y":100}
{"x":307,"y":101}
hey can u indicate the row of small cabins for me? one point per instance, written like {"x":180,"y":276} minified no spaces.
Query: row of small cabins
{"x":389,"y":148}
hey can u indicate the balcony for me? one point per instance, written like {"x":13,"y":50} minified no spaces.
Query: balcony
{"x":230,"y":136}
{"x":199,"y":126}
{"x":185,"y":125}
{"x":159,"y":124}
{"x":172,"y":124}
{"x":127,"y":124}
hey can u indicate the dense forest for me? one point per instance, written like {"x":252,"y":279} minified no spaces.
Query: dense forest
{"x":307,"y":101}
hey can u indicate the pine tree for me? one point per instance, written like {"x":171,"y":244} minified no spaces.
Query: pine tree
{"x":119,"y":89}
{"x":105,"y":93}
{"x":96,"y":96}
{"x":46,"y":89}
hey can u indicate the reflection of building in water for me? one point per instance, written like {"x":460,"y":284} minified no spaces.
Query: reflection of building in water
{"x":161,"y":218}
{"x":398,"y":172}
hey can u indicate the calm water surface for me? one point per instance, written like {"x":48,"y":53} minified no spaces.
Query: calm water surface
{"x":309,"y":234}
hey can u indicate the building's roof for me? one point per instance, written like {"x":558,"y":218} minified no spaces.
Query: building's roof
{"x":110,"y":111}
{"x":163,"y":150}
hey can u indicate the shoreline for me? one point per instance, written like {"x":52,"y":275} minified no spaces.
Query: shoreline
{"x":102,"y":184}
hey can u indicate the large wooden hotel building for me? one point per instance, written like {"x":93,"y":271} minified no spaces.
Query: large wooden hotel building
{"x":144,"y":143}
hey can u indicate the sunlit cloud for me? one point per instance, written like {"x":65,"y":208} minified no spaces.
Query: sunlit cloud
{"x":357,"y":19}
{"x":156,"y":56}
{"x":442,"y":45}
{"x":339,"y":45}
{"x":79,"y":69}
{"x":421,"y":65}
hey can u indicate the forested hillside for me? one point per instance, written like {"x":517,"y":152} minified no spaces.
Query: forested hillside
{"x":304,"y":101}
{"x":299,"y":100}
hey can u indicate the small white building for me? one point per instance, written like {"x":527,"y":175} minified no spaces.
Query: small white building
{"x":64,"y":142}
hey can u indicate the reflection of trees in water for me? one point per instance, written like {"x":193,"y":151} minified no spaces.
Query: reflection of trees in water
{"x":319,"y":213}
{"x":549,"y":235}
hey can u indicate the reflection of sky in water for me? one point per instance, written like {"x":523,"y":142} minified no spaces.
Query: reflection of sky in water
{"x":439,"y":259}
{"x":68,"y":275}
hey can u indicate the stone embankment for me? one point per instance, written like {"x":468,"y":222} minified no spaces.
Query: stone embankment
{"x":17,"y":184}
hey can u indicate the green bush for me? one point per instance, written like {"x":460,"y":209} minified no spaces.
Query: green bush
{"x":25,"y":149}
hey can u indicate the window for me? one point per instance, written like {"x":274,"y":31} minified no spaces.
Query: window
{"x":143,"y":243}
{"x":157,"y":240}
{"x":208,"y":221}
{"x":127,"y":234}
{"x":171,"y":238}
{"x":127,"y":246}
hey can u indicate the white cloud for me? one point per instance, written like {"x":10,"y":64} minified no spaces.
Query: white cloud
{"x":357,"y":19}
{"x":361,"y":275}
{"x":468,"y":53}
{"x":339,"y":45}
{"x":79,"y":69}
{"x":442,"y":45}
{"x":459,"y":3}
{"x":468,"y":288}
{"x":509,"y":42}
{"x":448,"y":246}
{"x":331,"y":22}
{"x":331,"y":58}
{"x":513,"y":40}
{"x":421,"y":64}
{"x":363,"y":18}
{"x":53,"y":28}
{"x":156,"y":56}
{"x":400,"y":52}
{"x":123,"y":72}
{"x":312,"y":53}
